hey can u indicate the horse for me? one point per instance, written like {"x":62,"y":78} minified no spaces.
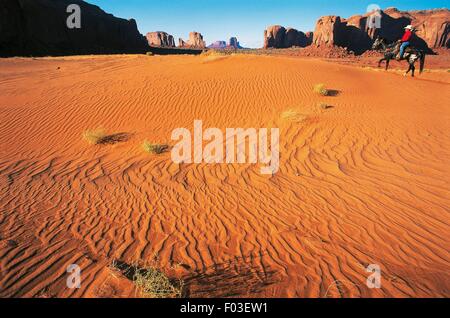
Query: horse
{"x":411,"y":55}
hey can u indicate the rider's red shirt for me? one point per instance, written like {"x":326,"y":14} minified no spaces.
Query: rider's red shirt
{"x":407,"y":36}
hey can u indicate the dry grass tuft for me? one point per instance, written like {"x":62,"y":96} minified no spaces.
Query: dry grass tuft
{"x":212,"y":52}
{"x":320,"y":89}
{"x":149,"y":53}
{"x":154,"y":148}
{"x":94,"y":136}
{"x":152,"y":283}
{"x":213,"y":55}
{"x":292,"y":115}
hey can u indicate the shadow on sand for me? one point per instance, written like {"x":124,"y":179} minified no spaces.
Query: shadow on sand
{"x":333,"y":92}
{"x":114,"y":139}
{"x":234,"y":279}
{"x":231,"y":279}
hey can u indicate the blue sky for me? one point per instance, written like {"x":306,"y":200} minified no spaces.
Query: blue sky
{"x":246,"y":19}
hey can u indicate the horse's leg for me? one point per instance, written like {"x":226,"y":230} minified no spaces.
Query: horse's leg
{"x":379,"y":62}
{"x":407,"y":71}
{"x":387,"y":64}
{"x":413,"y":68}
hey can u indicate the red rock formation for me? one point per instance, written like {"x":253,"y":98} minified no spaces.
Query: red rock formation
{"x":161,"y":39}
{"x":309,"y":38}
{"x":433,"y":26}
{"x":294,"y":38}
{"x":182,"y":43}
{"x":195,"y":41}
{"x":276,"y":36}
{"x":38,"y":27}
{"x":354,"y":33}
{"x":328,"y":31}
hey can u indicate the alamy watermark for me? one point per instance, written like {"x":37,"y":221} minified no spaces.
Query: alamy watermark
{"x":374,"y":19}
{"x":74,"y":19}
{"x":374,"y":279}
{"x":74,"y":278}
{"x":237,"y":145}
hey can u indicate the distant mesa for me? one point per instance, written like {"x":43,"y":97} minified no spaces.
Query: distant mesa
{"x":160,"y":39}
{"x":233,"y":43}
{"x":276,"y":36}
{"x":354,"y":33}
{"x":218,"y":45}
{"x":38,"y":28}
{"x":195,"y":41}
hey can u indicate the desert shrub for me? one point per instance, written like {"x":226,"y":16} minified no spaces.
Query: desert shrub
{"x":152,"y":283}
{"x":154,"y":148}
{"x":292,"y":115}
{"x":149,"y":53}
{"x":320,"y":89}
{"x":94,"y":136}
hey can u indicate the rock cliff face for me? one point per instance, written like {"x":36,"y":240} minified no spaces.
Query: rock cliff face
{"x":433,"y":26}
{"x":195,"y":41}
{"x":309,"y":38}
{"x":234,"y":43}
{"x":161,"y":39}
{"x":355,"y":33}
{"x":182,"y":43}
{"x":38,"y":27}
{"x":276,"y":36}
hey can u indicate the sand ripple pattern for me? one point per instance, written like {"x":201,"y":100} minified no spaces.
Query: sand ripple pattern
{"x":365,"y":182}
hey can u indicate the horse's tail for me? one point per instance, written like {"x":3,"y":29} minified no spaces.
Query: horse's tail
{"x":422,"y":61}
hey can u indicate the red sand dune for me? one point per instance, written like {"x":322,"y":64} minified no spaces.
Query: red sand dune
{"x":364,"y":182}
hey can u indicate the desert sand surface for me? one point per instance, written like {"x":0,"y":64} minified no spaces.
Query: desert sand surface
{"x":365,"y":181}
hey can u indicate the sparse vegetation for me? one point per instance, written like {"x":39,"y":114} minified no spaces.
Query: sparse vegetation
{"x":214,"y":55}
{"x":154,"y":148}
{"x":292,"y":115}
{"x":213,"y":52}
{"x":321,"y":89}
{"x":94,"y":136}
{"x":150,"y":282}
{"x":149,"y":53}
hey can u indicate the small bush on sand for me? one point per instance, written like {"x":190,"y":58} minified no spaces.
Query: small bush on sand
{"x":152,"y":283}
{"x":94,"y":136}
{"x":292,"y":115}
{"x":149,"y":53}
{"x":154,"y":148}
{"x":320,"y":89}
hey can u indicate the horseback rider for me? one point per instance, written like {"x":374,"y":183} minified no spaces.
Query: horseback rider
{"x":405,"y":41}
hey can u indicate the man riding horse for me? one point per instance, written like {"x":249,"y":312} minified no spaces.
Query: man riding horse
{"x":401,"y":50}
{"x":405,"y":41}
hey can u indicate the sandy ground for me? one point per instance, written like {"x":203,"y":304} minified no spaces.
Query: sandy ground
{"x":365,"y":181}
